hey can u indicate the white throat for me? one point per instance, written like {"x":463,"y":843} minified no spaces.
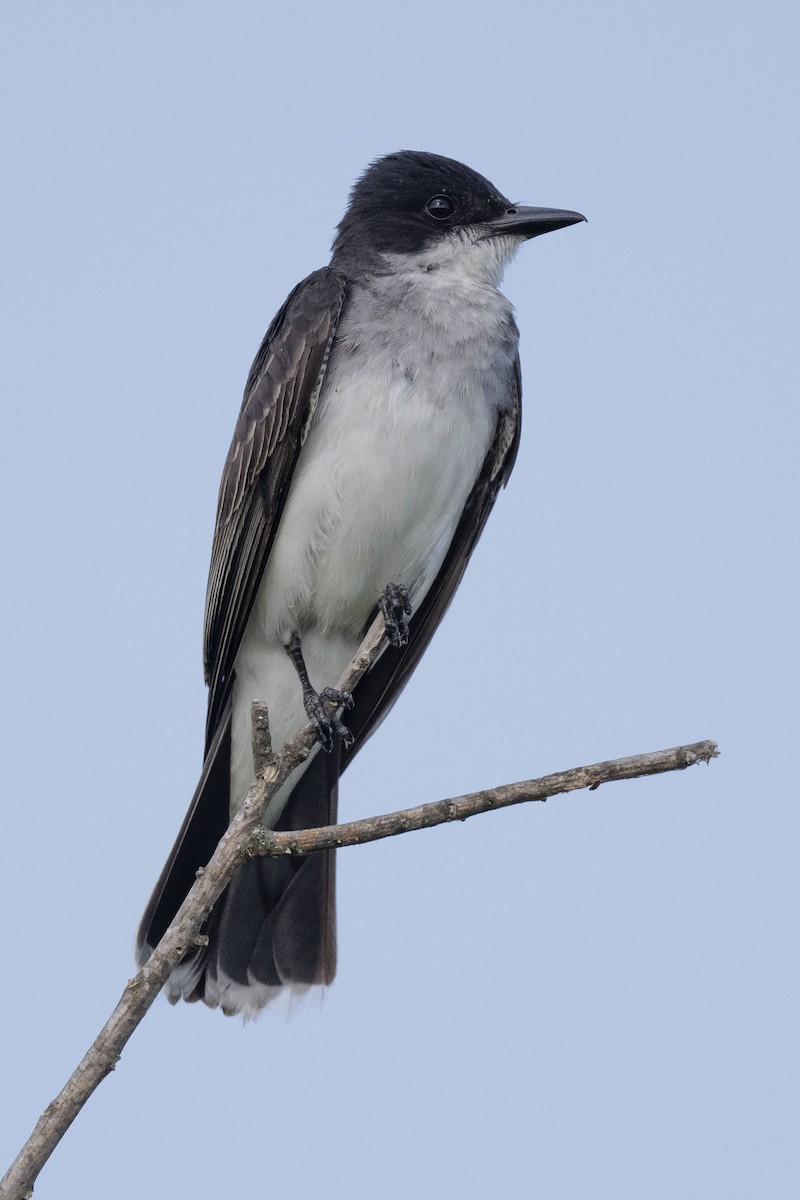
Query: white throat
{"x":466,"y":255}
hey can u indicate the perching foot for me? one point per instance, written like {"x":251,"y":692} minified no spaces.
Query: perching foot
{"x":326,"y":727}
{"x":395,"y":604}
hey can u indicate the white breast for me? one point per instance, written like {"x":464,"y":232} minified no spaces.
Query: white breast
{"x":421,"y":367}
{"x":402,"y":429}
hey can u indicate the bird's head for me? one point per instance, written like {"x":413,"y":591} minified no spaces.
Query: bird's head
{"x":437,"y":212}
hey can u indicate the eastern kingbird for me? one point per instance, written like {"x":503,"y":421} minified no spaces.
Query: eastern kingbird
{"x":380,"y":419}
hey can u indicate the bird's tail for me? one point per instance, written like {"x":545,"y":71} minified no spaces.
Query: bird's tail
{"x":273,"y":930}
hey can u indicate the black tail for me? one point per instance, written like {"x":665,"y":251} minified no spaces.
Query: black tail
{"x":274,"y":927}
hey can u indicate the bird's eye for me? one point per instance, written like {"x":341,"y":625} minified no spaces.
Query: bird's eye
{"x":440,"y":207}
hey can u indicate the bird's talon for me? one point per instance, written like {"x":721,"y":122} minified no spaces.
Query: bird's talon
{"x":322,"y":732}
{"x":328,"y":728}
{"x":395,"y":604}
{"x":342,"y":732}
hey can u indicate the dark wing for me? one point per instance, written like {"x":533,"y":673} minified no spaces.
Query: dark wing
{"x":279,"y":399}
{"x":379,"y":689}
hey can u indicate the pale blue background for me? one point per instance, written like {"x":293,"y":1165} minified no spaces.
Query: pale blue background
{"x":592,"y":998}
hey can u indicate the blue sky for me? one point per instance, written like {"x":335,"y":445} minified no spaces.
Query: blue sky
{"x":588,"y":998}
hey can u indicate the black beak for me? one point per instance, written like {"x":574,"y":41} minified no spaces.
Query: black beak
{"x":530,"y":222}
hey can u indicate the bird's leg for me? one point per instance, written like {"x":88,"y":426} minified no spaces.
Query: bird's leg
{"x":325,"y":727}
{"x":395,"y":604}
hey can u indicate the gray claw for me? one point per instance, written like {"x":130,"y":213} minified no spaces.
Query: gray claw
{"x":327,"y":728}
{"x":395,"y":604}
{"x":341,"y":731}
{"x":337,"y":696}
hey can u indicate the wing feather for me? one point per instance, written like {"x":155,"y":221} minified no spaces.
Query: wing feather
{"x":281,"y":389}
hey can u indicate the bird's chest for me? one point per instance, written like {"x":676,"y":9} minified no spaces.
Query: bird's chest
{"x":402,"y":428}
{"x":386,"y":473}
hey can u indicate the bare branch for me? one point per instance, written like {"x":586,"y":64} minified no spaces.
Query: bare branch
{"x":263,"y":756}
{"x":424,"y":816}
{"x":245,"y":838}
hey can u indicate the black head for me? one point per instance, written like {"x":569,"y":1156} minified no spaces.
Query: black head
{"x":409,"y":200}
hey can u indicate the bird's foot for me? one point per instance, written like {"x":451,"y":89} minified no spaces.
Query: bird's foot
{"x":395,"y":604}
{"x":327,"y":725}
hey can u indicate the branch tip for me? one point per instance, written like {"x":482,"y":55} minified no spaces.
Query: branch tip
{"x":263,"y":756}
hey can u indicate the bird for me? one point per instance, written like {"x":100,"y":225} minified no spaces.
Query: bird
{"x":380,"y":419}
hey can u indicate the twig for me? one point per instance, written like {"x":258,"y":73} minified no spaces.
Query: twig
{"x":245,"y":838}
{"x":439,"y":812}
